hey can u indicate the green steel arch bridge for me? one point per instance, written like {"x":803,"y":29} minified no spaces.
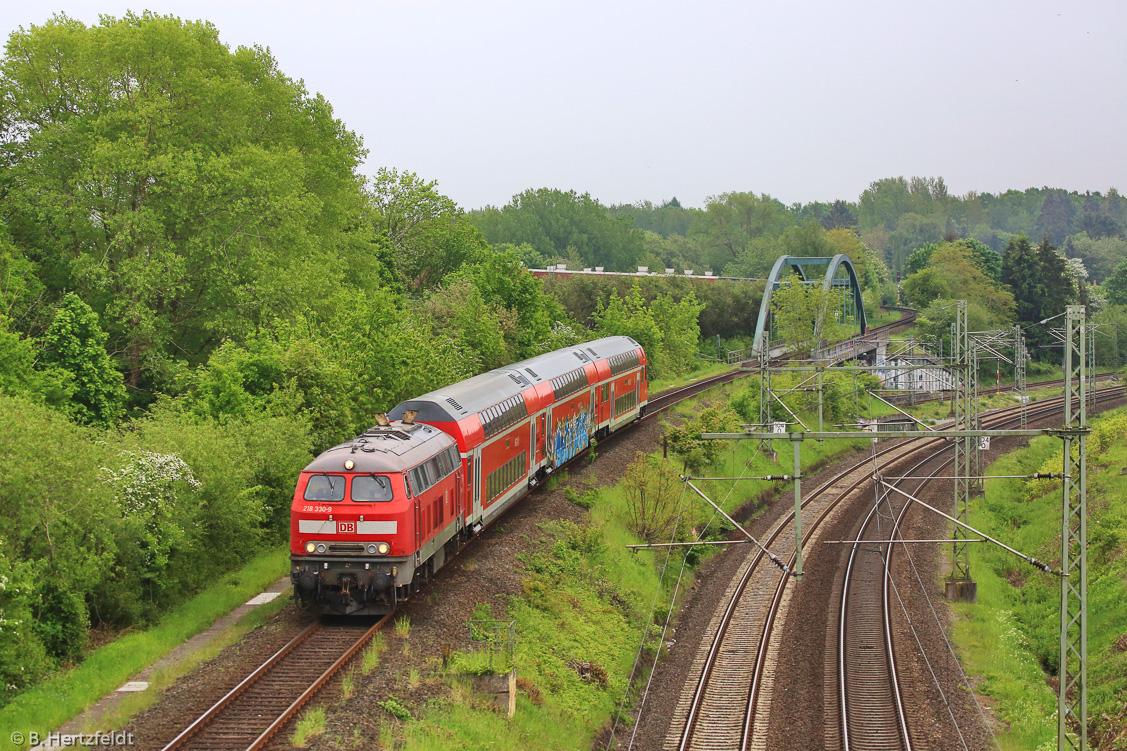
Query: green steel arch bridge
{"x":839,"y":275}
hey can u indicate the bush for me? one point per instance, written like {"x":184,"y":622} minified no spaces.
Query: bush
{"x":62,"y":623}
{"x":695,"y":452}
{"x":59,"y":523}
{"x":23,"y":658}
{"x":653,"y":492}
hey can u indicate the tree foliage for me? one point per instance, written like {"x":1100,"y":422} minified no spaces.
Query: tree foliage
{"x":427,"y":232}
{"x":653,"y":493}
{"x":1042,"y":286}
{"x":76,"y":344}
{"x":807,"y":315}
{"x":954,"y":270}
{"x":186,"y":190}
{"x":667,"y":330}
{"x":696,"y":453}
{"x":559,"y":224}
{"x":732,"y":222}
{"x":1116,"y":285}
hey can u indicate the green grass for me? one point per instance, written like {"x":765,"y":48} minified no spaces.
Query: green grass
{"x":62,"y":696}
{"x":371,"y":656}
{"x":310,"y":725}
{"x":882,"y":317}
{"x":703,"y":370}
{"x":162,"y":679}
{"x":1010,"y":638}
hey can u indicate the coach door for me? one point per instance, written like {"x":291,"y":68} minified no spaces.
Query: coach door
{"x":458,"y":504}
{"x":539,"y":439}
{"x":478,"y":480}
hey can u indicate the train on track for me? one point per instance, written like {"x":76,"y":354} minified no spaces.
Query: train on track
{"x":373,"y":518}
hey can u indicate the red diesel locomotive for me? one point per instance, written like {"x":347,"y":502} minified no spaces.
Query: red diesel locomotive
{"x":374,"y":517}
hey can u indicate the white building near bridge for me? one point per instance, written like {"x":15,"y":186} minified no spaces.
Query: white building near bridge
{"x":913,"y":372}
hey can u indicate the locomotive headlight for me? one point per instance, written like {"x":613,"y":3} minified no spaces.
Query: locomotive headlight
{"x":310,"y":547}
{"x":372,"y":549}
{"x":349,"y":464}
{"x":321,"y":548}
{"x":383,"y":548}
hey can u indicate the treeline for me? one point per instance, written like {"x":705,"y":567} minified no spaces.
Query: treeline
{"x":198,"y":291}
{"x":1017,"y":257}
{"x":736,"y":235}
{"x":741,"y":233}
{"x":1026,"y":285}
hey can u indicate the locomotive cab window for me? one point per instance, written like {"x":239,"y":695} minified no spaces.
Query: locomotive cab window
{"x":325,"y":488}
{"x":371,"y":489}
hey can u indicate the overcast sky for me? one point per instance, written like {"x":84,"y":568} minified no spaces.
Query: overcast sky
{"x":805,"y":100}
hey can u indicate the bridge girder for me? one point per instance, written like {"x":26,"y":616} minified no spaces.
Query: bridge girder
{"x":785,"y":265}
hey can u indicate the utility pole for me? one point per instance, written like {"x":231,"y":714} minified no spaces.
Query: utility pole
{"x":1072,"y":702}
{"x":1020,"y":356}
{"x":960,"y":586}
{"x":765,"y":388}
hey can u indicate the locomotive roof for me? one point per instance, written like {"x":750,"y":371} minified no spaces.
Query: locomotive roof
{"x":394,"y":448}
{"x":459,"y":400}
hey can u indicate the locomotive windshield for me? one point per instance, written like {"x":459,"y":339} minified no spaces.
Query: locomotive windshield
{"x":325,"y":488}
{"x":371,"y":488}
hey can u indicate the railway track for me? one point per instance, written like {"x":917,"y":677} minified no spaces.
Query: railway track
{"x":727,"y":705}
{"x":874,"y":715}
{"x":253,"y":712}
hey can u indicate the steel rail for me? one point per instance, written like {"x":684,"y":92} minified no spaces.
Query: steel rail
{"x":238,"y":690}
{"x":276,"y":666}
{"x":709,"y":663}
{"x":306,"y":695}
{"x":725,"y":622}
{"x":1047,"y":408}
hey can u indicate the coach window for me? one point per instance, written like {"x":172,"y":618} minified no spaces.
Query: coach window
{"x":325,"y":488}
{"x":371,"y":488}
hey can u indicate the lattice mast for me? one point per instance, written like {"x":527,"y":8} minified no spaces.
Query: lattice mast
{"x":1072,"y":702}
{"x":963,"y":404}
{"x":1020,"y":356}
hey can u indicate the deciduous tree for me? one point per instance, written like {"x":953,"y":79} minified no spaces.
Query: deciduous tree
{"x":653,"y":493}
{"x":806,"y":315}
{"x":559,"y":223}
{"x":731,"y":221}
{"x":187,"y":190}
{"x":76,"y":344}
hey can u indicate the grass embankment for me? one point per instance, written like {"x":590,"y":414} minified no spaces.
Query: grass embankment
{"x":587,"y":601}
{"x":1010,"y":638}
{"x":63,"y":696}
{"x":882,"y":317}
{"x":703,"y":370}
